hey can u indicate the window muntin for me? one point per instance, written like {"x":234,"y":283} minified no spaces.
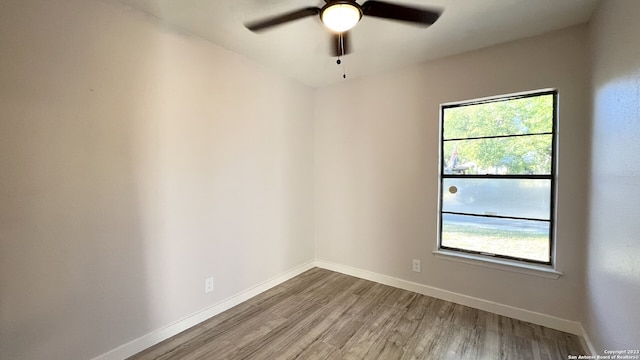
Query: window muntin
{"x":497,"y":177}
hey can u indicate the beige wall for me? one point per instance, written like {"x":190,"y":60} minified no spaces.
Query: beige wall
{"x":135,"y":161}
{"x":377,"y":160}
{"x":612,"y":316}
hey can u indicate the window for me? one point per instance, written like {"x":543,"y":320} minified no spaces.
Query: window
{"x":497,"y":177}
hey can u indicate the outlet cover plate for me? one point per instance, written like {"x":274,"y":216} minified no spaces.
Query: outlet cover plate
{"x":416,"y":265}
{"x":208,"y":285}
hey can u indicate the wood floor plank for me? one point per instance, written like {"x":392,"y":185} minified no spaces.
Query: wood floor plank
{"x":301,"y":335}
{"x":368,"y":342}
{"x":322,"y":315}
{"x":319,"y":350}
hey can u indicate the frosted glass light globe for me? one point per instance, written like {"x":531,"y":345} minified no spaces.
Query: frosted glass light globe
{"x":341,"y":17}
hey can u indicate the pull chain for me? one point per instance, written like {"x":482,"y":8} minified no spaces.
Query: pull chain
{"x":341,"y":53}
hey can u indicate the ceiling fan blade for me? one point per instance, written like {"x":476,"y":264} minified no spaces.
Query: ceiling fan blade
{"x":340,"y":43}
{"x":400,"y":12}
{"x":280,"y":19}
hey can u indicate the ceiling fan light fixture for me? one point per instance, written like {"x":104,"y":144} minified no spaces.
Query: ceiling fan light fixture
{"x":341,"y":16}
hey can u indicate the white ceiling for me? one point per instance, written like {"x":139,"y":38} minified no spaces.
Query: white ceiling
{"x":300,"y":49}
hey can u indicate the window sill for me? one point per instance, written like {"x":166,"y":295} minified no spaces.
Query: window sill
{"x":543,"y":271}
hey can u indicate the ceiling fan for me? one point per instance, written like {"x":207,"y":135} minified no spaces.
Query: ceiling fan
{"x":342,"y":15}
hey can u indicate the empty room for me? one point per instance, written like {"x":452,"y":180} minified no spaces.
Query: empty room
{"x":410,"y":179}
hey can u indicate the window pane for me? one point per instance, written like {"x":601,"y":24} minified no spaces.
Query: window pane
{"x":512,"y":155}
{"x":529,"y":115}
{"x":528,"y":198}
{"x":517,"y":238}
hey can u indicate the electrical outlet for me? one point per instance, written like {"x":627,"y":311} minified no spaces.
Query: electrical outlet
{"x":416,"y":265}
{"x":208,"y":285}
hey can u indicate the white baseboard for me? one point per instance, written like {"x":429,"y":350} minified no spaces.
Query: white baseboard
{"x":572,"y":327}
{"x":146,"y":341}
{"x":587,"y":344}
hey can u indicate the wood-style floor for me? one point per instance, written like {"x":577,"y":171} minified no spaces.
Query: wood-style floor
{"x":326,"y":315}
